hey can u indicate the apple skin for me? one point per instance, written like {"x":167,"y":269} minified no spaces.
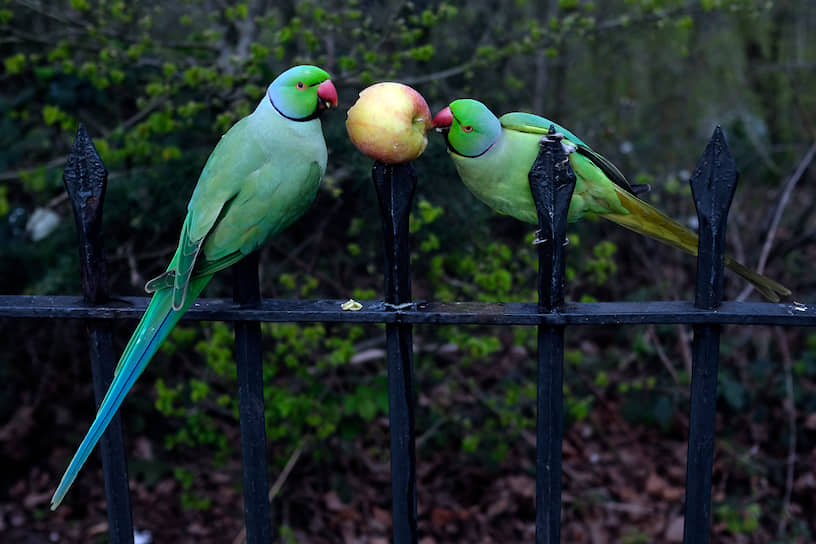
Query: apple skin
{"x":389,"y":123}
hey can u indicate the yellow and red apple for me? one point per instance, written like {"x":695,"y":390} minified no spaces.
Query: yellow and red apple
{"x":389,"y":123}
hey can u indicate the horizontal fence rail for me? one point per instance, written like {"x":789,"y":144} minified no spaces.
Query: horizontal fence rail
{"x":425,"y":313}
{"x":551,"y":182}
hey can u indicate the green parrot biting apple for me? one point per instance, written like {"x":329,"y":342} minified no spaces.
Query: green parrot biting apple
{"x":262,"y":176}
{"x":494,"y":155}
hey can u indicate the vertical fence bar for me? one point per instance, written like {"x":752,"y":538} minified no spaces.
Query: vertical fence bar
{"x":85,"y":179}
{"x":713,"y":184}
{"x":249,"y":370}
{"x":395,"y":185}
{"x":551,"y":182}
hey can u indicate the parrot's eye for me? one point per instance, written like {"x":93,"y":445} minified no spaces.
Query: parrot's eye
{"x":300,"y":85}
{"x":467,"y":128}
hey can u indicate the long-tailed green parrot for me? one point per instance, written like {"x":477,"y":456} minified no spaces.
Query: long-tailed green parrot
{"x":262,"y":176}
{"x":494,"y":155}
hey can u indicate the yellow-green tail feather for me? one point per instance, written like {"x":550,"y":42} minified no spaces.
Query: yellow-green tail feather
{"x":649,"y":221}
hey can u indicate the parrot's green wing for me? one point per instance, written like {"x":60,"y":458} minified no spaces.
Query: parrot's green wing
{"x":183,"y":263}
{"x":219,"y":183}
{"x":225,"y":220}
{"x":167,"y":279}
{"x":534,"y":124}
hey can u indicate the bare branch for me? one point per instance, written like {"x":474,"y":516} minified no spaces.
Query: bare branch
{"x":442,"y":74}
{"x":777,"y":217}
{"x":15,"y":174}
{"x":276,"y":487}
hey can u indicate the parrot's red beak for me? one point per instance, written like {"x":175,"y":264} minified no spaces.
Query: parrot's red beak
{"x":443,"y":120}
{"x":327,"y":95}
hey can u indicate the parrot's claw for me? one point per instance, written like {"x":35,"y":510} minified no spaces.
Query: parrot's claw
{"x":568,"y":147}
{"x":550,"y":138}
{"x":537,"y":241}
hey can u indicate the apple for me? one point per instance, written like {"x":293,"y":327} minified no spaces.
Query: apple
{"x":389,"y":123}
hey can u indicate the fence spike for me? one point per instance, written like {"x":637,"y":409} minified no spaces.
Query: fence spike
{"x":713,"y":184}
{"x":395,"y":186}
{"x":85,"y":178}
{"x":552,"y":182}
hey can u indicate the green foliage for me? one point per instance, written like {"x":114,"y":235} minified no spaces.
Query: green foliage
{"x":287,"y":535}
{"x":739,"y":519}
{"x":300,"y":401}
{"x":635,"y":536}
{"x":189,"y":499}
{"x":14,"y":64}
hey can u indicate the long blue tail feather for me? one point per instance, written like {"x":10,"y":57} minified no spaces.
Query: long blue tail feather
{"x":156,"y":323}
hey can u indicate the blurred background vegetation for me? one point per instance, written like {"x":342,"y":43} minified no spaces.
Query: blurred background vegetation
{"x":643,"y":81}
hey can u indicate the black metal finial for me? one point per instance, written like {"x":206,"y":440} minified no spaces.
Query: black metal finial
{"x":85,"y":178}
{"x":395,"y":185}
{"x":552,"y":182}
{"x":713,"y":184}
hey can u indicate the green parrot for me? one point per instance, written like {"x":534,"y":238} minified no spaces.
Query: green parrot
{"x":262,"y":176}
{"x":494,"y":155}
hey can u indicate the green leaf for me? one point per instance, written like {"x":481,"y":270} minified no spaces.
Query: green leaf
{"x":52,"y":114}
{"x":470,"y":443}
{"x":116,"y":75}
{"x":4,"y":203}
{"x":80,"y":5}
{"x":15,"y":63}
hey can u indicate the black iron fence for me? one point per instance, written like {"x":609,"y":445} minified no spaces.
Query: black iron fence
{"x":552,"y":182}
